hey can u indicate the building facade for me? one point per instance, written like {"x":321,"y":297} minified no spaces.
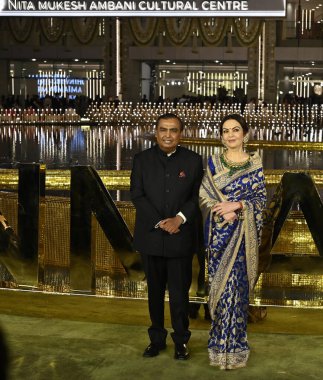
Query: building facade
{"x":158,"y":57}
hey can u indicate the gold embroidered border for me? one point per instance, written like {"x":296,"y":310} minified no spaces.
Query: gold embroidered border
{"x":228,"y":360}
{"x":221,"y":276}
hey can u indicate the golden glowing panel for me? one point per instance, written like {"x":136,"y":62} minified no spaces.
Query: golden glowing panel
{"x":256,"y":144}
{"x":273,"y":177}
{"x":120,"y":179}
{"x":61,"y":179}
{"x":57,"y":232}
{"x":103,"y":254}
{"x":110,"y":276}
{"x":54,"y":245}
{"x":9,"y":179}
{"x":283,"y":288}
{"x":295,"y":237}
{"x":9,"y":208}
{"x":289,"y":289}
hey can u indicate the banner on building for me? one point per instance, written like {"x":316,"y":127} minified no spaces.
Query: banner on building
{"x":138,"y":8}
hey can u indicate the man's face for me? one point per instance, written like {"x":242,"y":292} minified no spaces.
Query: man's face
{"x":168,"y":134}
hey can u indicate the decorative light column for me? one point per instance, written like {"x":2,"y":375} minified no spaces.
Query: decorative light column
{"x":118,"y":59}
{"x":261,"y":63}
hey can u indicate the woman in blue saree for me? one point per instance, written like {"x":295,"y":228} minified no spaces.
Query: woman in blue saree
{"x":232,"y":198}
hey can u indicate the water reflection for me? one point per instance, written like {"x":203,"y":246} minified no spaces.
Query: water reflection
{"x":113,"y":147}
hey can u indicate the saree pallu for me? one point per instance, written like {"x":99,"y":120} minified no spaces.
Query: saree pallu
{"x":232,"y":256}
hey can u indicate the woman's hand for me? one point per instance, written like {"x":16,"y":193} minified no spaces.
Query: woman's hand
{"x":230,"y":216}
{"x":223,"y":208}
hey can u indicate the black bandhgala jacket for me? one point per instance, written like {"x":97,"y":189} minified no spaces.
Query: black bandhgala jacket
{"x":162,"y":186}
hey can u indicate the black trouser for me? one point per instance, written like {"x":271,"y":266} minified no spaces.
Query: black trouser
{"x":176,"y":274}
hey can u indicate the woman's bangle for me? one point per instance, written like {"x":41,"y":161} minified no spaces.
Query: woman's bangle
{"x":241,"y":205}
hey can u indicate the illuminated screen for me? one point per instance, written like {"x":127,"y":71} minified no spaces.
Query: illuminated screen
{"x":196,"y":8}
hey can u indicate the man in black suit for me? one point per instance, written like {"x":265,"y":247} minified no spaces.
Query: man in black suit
{"x":165,"y":183}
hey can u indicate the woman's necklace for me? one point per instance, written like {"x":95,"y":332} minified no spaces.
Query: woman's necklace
{"x":234,"y":166}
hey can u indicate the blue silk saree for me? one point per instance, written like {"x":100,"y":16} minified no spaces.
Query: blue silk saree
{"x":232,"y":255}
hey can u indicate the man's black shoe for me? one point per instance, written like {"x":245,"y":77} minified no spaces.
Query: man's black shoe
{"x":153,"y":350}
{"x":181,"y":352}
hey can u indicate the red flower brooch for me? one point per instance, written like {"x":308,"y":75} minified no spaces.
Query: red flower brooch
{"x":182,"y":174}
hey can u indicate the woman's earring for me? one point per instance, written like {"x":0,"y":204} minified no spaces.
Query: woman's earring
{"x":224,"y":145}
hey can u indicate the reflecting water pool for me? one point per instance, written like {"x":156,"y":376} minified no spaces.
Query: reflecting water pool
{"x":113,"y":147}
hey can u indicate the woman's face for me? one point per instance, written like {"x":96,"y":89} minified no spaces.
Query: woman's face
{"x":232,"y":134}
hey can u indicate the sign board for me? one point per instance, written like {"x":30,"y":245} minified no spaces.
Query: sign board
{"x":138,"y":8}
{"x":58,"y":82}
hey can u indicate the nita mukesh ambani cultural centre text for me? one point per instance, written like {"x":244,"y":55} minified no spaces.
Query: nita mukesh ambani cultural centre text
{"x":144,"y":7}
